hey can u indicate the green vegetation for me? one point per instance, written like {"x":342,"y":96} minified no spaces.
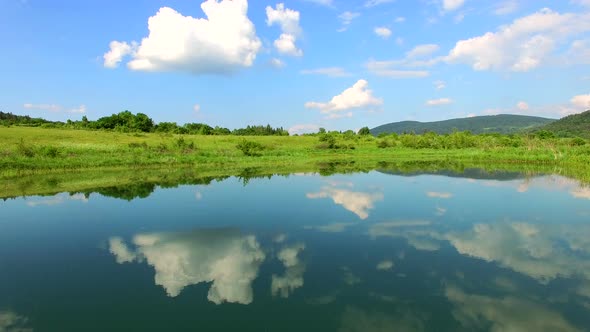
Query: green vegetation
{"x":576,"y":125}
{"x":502,"y":124}
{"x":128,"y":122}
{"x":133,"y":143}
{"x":33,"y":150}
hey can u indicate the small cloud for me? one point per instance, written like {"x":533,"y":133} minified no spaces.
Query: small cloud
{"x":303,"y":129}
{"x":355,"y":97}
{"x":522,"y":106}
{"x":385,"y":265}
{"x":451,"y":5}
{"x":197,"y":108}
{"x":373,"y":3}
{"x":327,"y":71}
{"x":439,"y":85}
{"x":346,"y":18}
{"x":331,"y":228}
{"x":421,"y":51}
{"x":506,"y":7}
{"x":382,"y":32}
{"x":78,"y":110}
{"x":581,"y":101}
{"x":198,"y":196}
{"x":277,"y":63}
{"x":400,"y":19}
{"x":440,"y":211}
{"x":439,"y":102}
{"x":43,"y":107}
{"x":436,"y":194}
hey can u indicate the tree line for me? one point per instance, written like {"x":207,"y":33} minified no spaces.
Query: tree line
{"x":128,"y":122}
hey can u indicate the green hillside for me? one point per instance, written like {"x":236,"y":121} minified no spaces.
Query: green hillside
{"x":502,"y":123}
{"x":576,"y":125}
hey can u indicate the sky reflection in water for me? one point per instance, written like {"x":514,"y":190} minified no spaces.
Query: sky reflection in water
{"x":361,"y":252}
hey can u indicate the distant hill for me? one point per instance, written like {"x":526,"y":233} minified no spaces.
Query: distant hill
{"x":570,"y":126}
{"x":502,"y":123}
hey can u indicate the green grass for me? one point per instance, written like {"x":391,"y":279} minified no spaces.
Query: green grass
{"x":36,"y":151}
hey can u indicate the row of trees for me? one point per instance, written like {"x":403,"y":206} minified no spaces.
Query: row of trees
{"x":128,"y":122}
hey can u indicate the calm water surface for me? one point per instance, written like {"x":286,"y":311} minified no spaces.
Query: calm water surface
{"x":361,"y":252}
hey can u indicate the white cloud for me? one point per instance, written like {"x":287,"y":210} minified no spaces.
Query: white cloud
{"x":506,"y":7}
{"x":451,"y":5}
{"x":416,"y":232}
{"x":504,"y":314}
{"x":118,"y":50}
{"x":331,"y":228}
{"x":385,"y":265}
{"x":521,"y":46}
{"x":373,"y":3}
{"x":288,"y":20}
{"x":286,"y":45}
{"x":582,"y":2}
{"x":197,"y":108}
{"x":79,"y":110}
{"x":224,"y":42}
{"x":277,"y":63}
{"x":303,"y":128}
{"x":357,"y":96}
{"x":120,"y":250}
{"x":400,"y":19}
{"x":529,"y":249}
{"x":439,"y":85}
{"x":356,"y":202}
{"x":346,"y":18}
{"x":382,"y":32}
{"x":439,"y":102}
{"x":418,"y":57}
{"x":328,"y":71}
{"x":578,"y":53}
{"x":225,"y":258}
{"x":581,"y":101}
{"x":421,"y":51}
{"x":43,"y":107}
{"x":13,"y":322}
{"x":522,"y":106}
{"x":385,"y":69}
{"x":294,"y":270}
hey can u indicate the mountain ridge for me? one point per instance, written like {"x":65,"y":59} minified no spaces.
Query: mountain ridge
{"x":501,"y":123}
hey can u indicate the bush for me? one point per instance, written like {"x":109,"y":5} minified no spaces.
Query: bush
{"x":250,"y":148}
{"x":578,"y":141}
{"x":49,"y":151}
{"x":25,"y":149}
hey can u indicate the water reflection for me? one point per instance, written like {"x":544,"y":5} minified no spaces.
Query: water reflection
{"x":224,"y":257}
{"x":356,"y":202}
{"x":508,"y":313}
{"x":294,"y":270}
{"x":13,"y":322}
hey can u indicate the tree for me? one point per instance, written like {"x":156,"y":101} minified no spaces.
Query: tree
{"x":364,"y":131}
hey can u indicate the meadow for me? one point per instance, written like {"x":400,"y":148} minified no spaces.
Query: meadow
{"x":35,"y":151}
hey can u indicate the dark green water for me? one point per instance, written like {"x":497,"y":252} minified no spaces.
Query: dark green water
{"x":360,"y":252}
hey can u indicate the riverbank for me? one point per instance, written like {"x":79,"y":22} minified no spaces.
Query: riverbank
{"x":59,"y":153}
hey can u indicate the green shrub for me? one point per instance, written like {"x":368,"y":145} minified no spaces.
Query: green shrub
{"x":24,"y":149}
{"x":49,"y":151}
{"x":250,"y":148}
{"x":577,"y":141}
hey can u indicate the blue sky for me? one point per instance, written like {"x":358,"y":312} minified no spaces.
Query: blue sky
{"x":300,"y":64}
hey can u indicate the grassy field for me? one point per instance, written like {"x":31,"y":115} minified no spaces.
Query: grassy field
{"x":28,"y":151}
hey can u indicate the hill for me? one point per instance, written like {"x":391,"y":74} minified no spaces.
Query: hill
{"x":575,"y":125}
{"x":502,"y":123}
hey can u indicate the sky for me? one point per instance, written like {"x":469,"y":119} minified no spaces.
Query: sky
{"x":298,"y":64}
